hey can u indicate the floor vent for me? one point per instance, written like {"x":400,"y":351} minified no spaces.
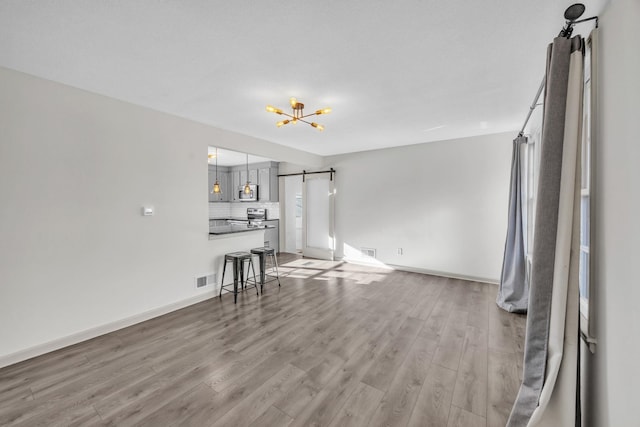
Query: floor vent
{"x":203,"y":281}
{"x":368,"y":252}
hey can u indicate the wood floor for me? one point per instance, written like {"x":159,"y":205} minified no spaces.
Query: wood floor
{"x":336,"y":345}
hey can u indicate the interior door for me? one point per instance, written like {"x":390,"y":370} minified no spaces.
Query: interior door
{"x":318,"y":239}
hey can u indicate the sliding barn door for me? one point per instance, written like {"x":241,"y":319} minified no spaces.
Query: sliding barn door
{"x":317,"y":218}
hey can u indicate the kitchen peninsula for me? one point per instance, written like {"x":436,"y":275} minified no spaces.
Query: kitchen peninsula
{"x":219,"y":230}
{"x":254,"y":222}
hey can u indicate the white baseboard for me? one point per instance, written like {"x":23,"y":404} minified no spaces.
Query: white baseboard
{"x":88,"y":334}
{"x":445,"y":274}
{"x":426,"y":271}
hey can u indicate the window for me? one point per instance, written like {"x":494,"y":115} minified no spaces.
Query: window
{"x":531,"y":166}
{"x":586,"y":193}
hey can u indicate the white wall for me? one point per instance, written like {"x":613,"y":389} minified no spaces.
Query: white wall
{"x":444,"y":203}
{"x":76,"y":256}
{"x":613,"y":372}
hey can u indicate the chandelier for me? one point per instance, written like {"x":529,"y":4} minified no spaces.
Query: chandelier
{"x":298,"y":114}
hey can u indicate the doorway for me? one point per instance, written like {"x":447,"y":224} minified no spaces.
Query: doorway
{"x":307,"y":206}
{"x":291,"y":206}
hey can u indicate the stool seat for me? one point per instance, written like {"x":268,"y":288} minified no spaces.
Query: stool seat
{"x":266,"y":251}
{"x":239,"y":254}
{"x":238,"y":259}
{"x":263,"y":253}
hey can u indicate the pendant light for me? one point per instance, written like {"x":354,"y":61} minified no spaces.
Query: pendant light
{"x":216,"y":186}
{"x":247,"y":189}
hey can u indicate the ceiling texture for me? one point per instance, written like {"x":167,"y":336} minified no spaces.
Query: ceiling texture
{"x":394,"y":72}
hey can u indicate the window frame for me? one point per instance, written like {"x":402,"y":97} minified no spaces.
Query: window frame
{"x":587,"y":210}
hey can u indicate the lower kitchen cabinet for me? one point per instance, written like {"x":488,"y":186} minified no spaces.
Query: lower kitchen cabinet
{"x":272,"y":235}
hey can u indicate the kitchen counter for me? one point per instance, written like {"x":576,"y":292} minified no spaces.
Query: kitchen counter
{"x":229,"y":218}
{"x":236,"y":228}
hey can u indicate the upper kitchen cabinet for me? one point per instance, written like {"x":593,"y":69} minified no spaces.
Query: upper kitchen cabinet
{"x":253,"y":175}
{"x":223,"y":180}
{"x":268,"y":182}
{"x":264,"y":174}
{"x":234,"y":180}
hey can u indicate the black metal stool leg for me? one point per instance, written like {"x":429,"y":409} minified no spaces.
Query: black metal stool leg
{"x":224,"y":268}
{"x":263,"y":270}
{"x":236,"y":265}
{"x":275,"y":259}
{"x":242,"y":274}
{"x":254,"y":274}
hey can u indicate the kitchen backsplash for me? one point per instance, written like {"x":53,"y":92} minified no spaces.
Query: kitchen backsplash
{"x":219,"y":210}
{"x":239,"y":210}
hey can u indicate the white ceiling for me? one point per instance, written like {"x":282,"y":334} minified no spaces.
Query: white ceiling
{"x":394,"y":72}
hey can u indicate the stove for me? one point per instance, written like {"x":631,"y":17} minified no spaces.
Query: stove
{"x":256,"y":216}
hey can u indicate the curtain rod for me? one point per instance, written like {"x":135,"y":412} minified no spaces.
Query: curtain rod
{"x":533,"y":106}
{"x":565,"y":32}
{"x":332,"y":171}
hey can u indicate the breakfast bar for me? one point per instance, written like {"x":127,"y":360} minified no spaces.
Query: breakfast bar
{"x":221,"y":230}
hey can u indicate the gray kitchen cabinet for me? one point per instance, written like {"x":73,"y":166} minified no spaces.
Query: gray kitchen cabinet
{"x":264,"y":174}
{"x":240,"y":177}
{"x":253,"y":176}
{"x":264,"y":182}
{"x":268,"y":181}
{"x":235,"y":183}
{"x":223,"y":180}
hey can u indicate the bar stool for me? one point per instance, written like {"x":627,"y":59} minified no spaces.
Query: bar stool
{"x":238,"y":259}
{"x":263,"y":253}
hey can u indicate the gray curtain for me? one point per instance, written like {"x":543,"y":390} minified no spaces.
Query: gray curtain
{"x":547,"y":396}
{"x":513,"y":293}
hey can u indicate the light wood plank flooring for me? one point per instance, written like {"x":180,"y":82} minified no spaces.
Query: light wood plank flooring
{"x":336,"y":345}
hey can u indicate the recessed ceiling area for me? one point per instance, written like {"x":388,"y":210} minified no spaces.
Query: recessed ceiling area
{"x":393,"y":73}
{"x":233,"y":158}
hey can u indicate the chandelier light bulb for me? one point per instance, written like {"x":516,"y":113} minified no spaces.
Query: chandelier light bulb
{"x":216,"y":188}
{"x":247,"y":189}
{"x":272,"y":109}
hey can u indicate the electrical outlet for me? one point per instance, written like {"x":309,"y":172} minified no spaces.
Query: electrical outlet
{"x":399,"y":251}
